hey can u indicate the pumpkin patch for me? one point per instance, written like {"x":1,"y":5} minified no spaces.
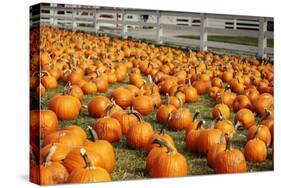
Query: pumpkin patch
{"x":114,"y":109}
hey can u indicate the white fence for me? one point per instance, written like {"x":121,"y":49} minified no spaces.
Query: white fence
{"x":153,"y":24}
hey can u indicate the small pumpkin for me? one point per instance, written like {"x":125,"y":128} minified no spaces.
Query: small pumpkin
{"x":143,"y":104}
{"x":245,"y":117}
{"x":122,"y":96}
{"x":164,"y":110}
{"x":97,"y":106}
{"x":214,"y":150}
{"x":264,"y":133}
{"x":191,"y":139}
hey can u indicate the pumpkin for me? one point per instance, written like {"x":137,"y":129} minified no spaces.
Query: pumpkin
{"x":154,"y":153}
{"x":65,"y":137}
{"x":268,"y":119}
{"x":180,"y":119}
{"x":103,"y":148}
{"x":139,"y":135}
{"x":74,"y":90}
{"x":191,"y":139}
{"x":224,"y":125}
{"x":60,"y":153}
{"x":74,"y":160}
{"x":101,"y":82}
{"x":89,"y":172}
{"x":34,"y":170}
{"x":221,"y":109}
{"x":97,"y":106}
{"x":264,"y":134}
{"x":126,"y":120}
{"x":43,"y":123}
{"x":89,"y":88}
{"x":122,"y":96}
{"x":241,"y":101}
{"x":164,"y":110}
{"x":193,"y":124}
{"x":48,"y":81}
{"x":264,"y":101}
{"x":77,"y":130}
{"x":169,"y":164}
{"x":108,"y":128}
{"x":207,"y":139}
{"x":230,"y":160}
{"x":52,"y":173}
{"x":143,"y":104}
{"x":255,"y":149}
{"x":66,"y":107}
{"x":191,"y":94}
{"x":214,"y":150}
{"x":245,"y":117}
{"x":161,"y":135}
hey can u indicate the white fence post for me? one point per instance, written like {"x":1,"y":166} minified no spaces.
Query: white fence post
{"x":124,"y":25}
{"x":235,"y":23}
{"x":262,"y":37}
{"x":52,"y":13}
{"x":203,"y":32}
{"x":74,"y":23}
{"x":97,"y":25}
{"x":159,"y":30}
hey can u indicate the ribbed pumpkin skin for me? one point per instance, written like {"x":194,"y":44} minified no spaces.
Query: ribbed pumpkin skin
{"x":139,"y":135}
{"x":66,"y":107}
{"x":191,"y":94}
{"x":77,"y":92}
{"x":255,"y":150}
{"x":169,"y":165}
{"x":192,"y":140}
{"x":225,"y":126}
{"x":264,"y":134}
{"x":246,"y":117}
{"x":74,"y":160}
{"x":230,"y":161}
{"x":97,"y":106}
{"x":77,"y":130}
{"x":43,"y":122}
{"x":60,"y":153}
{"x":105,"y":150}
{"x":82,"y":175}
{"x":207,"y":139}
{"x":108,"y":129}
{"x":64,"y":137}
{"x":152,"y":155}
{"x":212,"y":154}
{"x":122,"y":96}
{"x":163,"y":112}
{"x":126,"y":120}
{"x":224,"y":110}
{"x":89,"y":88}
{"x":143,"y":104}
{"x":53,"y":173}
{"x":180,"y":119}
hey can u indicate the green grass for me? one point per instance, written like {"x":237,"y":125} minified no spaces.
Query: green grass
{"x":252,"y":41}
{"x":131,"y":163}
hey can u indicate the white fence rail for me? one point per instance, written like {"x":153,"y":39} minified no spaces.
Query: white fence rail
{"x":153,"y":24}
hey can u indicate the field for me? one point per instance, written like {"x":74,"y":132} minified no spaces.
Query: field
{"x":131,"y":162}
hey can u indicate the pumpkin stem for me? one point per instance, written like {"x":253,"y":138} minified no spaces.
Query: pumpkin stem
{"x":108,"y":109}
{"x":257,"y":132}
{"x":50,"y":154}
{"x":267,"y":114}
{"x":220,"y":97}
{"x":34,"y":157}
{"x":180,"y":102}
{"x":200,"y":124}
{"x":162,"y":131}
{"x":228,"y":142}
{"x":67,"y":88}
{"x":188,"y":82}
{"x":195,"y":115}
{"x":162,"y":142}
{"x":221,"y":116}
{"x":167,"y":99}
{"x":86,"y":158}
{"x":237,"y":125}
{"x":93,"y":134}
{"x":138,"y":115}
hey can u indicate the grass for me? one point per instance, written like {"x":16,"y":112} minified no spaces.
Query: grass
{"x":130,"y":163}
{"x":252,"y":41}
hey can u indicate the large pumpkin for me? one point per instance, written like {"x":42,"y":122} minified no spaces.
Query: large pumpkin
{"x":89,"y":172}
{"x":122,"y":96}
{"x":143,"y":104}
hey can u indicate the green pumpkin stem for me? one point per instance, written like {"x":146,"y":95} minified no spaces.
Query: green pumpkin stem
{"x":108,"y":109}
{"x":138,"y":115}
{"x":257,"y":133}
